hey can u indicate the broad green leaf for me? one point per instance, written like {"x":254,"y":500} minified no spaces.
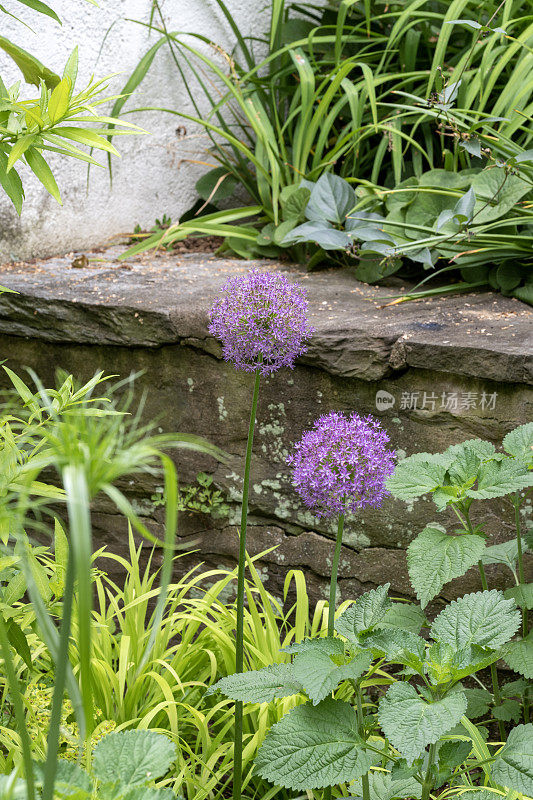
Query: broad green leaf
{"x":294,"y":200}
{"x":314,"y":746}
{"x":217,"y":184}
{"x":40,"y":168}
{"x":405,"y":616}
{"x":434,"y":558}
{"x":384,"y":787}
{"x":260,"y":686}
{"x":513,"y":767}
{"x":69,"y":777}
{"x":320,"y":232}
{"x":323,"y":644}
{"x":522,"y":595}
{"x":508,"y":711}
{"x":367,"y":612}
{"x":411,"y":723}
{"x":519,"y":443}
{"x":519,"y":656}
{"x":399,"y":646}
{"x":133,"y":757}
{"x":486,"y":619}
{"x":414,"y":477}
{"x":497,"y":193}
{"x":31,"y":68}
{"x":478,"y":702}
{"x":499,"y":478}
{"x":503,"y":553}
{"x":143,"y":793}
{"x":332,"y":198}
{"x":320,"y":675}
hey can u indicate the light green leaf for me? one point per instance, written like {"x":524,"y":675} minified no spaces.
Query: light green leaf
{"x":499,"y":478}
{"x":522,"y":595}
{"x":323,"y":644}
{"x":367,"y":612}
{"x":59,"y":99}
{"x":520,"y":656}
{"x":260,"y":686}
{"x":503,"y":553}
{"x":60,"y":545}
{"x":332,"y":198}
{"x":11,"y":183}
{"x":434,"y":558}
{"x":486,"y":619}
{"x":513,"y":767}
{"x":314,"y":746}
{"x":19,"y":148}
{"x":319,"y":675}
{"x":405,"y":616}
{"x":133,"y":757}
{"x":414,"y":477}
{"x":31,"y":68}
{"x":411,"y":723}
{"x":384,"y":787}
{"x":40,"y":168}
{"x":519,"y":443}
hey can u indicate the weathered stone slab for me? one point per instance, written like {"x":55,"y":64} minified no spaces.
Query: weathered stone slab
{"x":446,"y":369}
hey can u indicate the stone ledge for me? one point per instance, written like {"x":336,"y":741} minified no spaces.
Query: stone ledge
{"x":163,"y":299}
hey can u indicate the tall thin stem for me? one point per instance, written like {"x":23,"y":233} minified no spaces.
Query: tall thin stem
{"x":428,"y":780}
{"x":50,"y":767}
{"x":239,"y":639}
{"x":333,"y":580}
{"x":333,"y":600}
{"x":522,"y":579}
{"x":361,"y":723}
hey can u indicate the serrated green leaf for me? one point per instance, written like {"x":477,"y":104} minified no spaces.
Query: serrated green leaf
{"x":398,"y":646}
{"x":503,"y":553}
{"x":414,"y":477}
{"x":411,"y":723}
{"x":513,"y":766}
{"x":452,"y":754}
{"x":520,"y":656}
{"x":486,"y":619}
{"x":384,"y":787}
{"x":522,"y":595}
{"x":260,"y":686}
{"x":71,"y":777}
{"x":499,"y":478}
{"x":132,"y":757}
{"x":478,"y":702}
{"x":508,"y":711}
{"x":519,"y":443}
{"x":434,"y":558}
{"x":314,"y":746}
{"x":367,"y":612}
{"x":319,"y":675}
{"x":323,"y":644}
{"x":142,"y":793}
{"x":405,"y":616}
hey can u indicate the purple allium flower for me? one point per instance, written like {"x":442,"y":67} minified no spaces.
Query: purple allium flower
{"x":341,"y":464}
{"x":262,"y":321}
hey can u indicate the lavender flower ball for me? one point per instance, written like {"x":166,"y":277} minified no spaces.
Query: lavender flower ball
{"x":341,"y":464}
{"x":261,"y":322}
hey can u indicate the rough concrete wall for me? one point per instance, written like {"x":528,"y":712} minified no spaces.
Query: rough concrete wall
{"x":153,"y":176}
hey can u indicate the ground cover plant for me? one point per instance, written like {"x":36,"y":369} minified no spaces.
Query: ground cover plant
{"x":424,"y":108}
{"x":375,"y":699}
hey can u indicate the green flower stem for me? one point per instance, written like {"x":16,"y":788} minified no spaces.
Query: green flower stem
{"x":428,"y":780}
{"x":522,"y":579}
{"x":332,"y":601}
{"x":52,"y":744}
{"x":239,"y":639}
{"x":18,"y":706}
{"x":333,"y":581}
{"x":360,"y":719}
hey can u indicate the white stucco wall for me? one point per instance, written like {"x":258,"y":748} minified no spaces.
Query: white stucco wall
{"x":152,"y":177}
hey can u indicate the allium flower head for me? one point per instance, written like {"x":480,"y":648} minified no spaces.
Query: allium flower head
{"x":262,"y":321}
{"x":341,"y":464}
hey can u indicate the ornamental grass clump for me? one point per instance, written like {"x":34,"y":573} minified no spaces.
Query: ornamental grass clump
{"x":340,"y":467}
{"x":262,"y":324}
